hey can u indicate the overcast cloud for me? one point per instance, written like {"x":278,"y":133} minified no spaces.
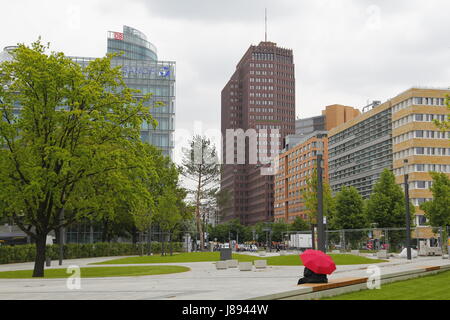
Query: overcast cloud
{"x":345,"y":51}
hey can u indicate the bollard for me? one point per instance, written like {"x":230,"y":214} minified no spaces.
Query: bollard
{"x":48,"y":261}
{"x":225,"y":254}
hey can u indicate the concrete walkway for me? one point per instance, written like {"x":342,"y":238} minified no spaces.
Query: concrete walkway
{"x":203,"y":282}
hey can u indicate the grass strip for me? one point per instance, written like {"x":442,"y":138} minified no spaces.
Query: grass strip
{"x":98,"y":272}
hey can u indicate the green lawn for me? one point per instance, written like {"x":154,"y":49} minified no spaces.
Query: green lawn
{"x":98,"y":272}
{"x":339,"y":259}
{"x":177,"y":258}
{"x":432,"y":287}
{"x":290,"y":260}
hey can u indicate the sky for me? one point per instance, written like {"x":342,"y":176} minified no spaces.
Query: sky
{"x":345,"y":51}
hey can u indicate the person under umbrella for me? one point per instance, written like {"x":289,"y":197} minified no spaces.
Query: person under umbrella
{"x":317,"y":266}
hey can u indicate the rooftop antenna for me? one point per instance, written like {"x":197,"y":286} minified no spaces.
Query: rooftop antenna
{"x":265,"y":25}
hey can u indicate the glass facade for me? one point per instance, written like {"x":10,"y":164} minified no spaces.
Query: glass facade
{"x":142,"y":71}
{"x":132,"y":44}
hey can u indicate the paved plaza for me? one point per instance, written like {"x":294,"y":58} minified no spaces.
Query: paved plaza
{"x":203,"y":282}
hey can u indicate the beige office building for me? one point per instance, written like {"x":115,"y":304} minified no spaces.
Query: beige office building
{"x":386,"y":135}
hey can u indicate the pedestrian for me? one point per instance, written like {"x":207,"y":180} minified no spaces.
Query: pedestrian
{"x":317,"y":266}
{"x":310,"y":276}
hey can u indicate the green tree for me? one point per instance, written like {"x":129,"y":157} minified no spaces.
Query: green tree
{"x":279,"y":229}
{"x":219,"y":232}
{"x":350,"y":214}
{"x":220,"y":200}
{"x":200,"y":165}
{"x":171,"y":212}
{"x":437,"y":211}
{"x":310,"y":198}
{"x":231,"y":230}
{"x":239,"y":231}
{"x":386,"y":206}
{"x":258,"y":229}
{"x":300,"y":224}
{"x":74,"y":149}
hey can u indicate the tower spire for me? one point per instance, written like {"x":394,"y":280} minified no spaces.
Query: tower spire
{"x":265,"y":19}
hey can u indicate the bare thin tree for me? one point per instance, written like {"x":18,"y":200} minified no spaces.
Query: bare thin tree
{"x":201,"y":166}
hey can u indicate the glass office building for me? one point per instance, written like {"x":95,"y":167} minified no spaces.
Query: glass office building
{"x":141,"y":70}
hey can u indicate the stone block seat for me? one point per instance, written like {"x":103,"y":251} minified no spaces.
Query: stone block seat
{"x":232,"y":263}
{"x":245,"y":266}
{"x":260,"y":264}
{"x":221,"y":265}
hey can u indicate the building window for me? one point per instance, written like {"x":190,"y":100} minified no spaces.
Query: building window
{"x":421,"y":184}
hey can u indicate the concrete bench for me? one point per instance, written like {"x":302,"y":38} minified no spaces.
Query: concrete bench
{"x":355,"y":252}
{"x":221,"y":265}
{"x":335,"y":251}
{"x":262,"y":253}
{"x":282,"y":253}
{"x":382,"y":254}
{"x":260,"y":264}
{"x":245,"y":266}
{"x":232,"y":263}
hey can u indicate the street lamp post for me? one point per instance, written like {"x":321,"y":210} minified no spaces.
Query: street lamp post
{"x":408,"y":216}
{"x":320,"y":227}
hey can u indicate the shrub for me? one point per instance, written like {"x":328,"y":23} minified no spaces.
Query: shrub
{"x":27,"y":253}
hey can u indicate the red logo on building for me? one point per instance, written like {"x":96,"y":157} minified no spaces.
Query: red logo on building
{"x":118,"y":36}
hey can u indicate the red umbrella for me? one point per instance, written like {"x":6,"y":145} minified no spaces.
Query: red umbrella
{"x":318,"y":262}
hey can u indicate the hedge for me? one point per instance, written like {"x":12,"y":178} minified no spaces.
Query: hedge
{"x":27,"y":252}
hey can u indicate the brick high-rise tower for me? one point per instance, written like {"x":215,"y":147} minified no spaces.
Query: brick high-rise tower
{"x":261,"y":96}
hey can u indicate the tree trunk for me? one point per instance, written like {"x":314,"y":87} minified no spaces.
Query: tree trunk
{"x":105,"y":231}
{"x":141,"y":243}
{"x":134,"y":235}
{"x":170,"y":243}
{"x":150,"y":241}
{"x":197,"y":214}
{"x":39,"y":262}
{"x":163,"y":247}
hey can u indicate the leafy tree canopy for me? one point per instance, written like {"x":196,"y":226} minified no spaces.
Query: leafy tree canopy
{"x":70,"y":142}
{"x":386,"y":205}
{"x":437,"y":211}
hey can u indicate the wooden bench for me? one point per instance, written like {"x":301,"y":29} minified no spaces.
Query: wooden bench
{"x":332,"y":284}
